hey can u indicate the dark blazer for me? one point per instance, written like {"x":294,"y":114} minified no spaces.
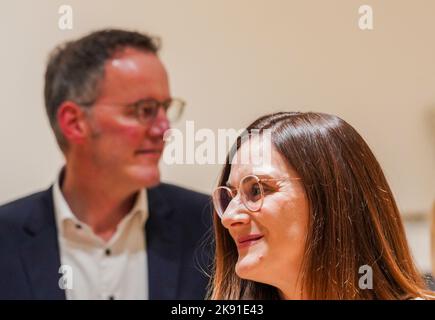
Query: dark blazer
{"x":178,"y":244}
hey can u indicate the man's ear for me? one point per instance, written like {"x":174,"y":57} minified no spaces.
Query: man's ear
{"x":72,"y":122}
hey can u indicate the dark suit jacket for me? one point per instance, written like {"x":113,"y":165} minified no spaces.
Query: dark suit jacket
{"x":176,"y":237}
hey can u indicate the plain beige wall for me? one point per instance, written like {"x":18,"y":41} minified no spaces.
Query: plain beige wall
{"x":234,"y":60}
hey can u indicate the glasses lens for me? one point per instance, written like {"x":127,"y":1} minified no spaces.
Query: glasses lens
{"x":221,"y":199}
{"x":147,"y":110}
{"x":252,"y":193}
{"x":174,"y":109}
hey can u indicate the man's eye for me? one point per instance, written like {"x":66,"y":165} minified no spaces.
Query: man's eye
{"x":147,"y":111}
{"x":146,"y":108}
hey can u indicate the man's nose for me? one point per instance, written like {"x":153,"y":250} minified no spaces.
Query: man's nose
{"x":160,"y":124}
{"x":235,"y":215}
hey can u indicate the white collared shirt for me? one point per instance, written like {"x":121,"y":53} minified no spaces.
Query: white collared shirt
{"x":116,"y":269}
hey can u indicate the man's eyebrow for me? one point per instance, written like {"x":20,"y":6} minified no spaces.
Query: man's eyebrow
{"x":139,"y":101}
{"x":142,"y":100}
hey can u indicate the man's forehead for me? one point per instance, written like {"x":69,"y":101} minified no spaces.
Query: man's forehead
{"x":129,"y":60}
{"x":132,"y":75}
{"x":126,"y":64}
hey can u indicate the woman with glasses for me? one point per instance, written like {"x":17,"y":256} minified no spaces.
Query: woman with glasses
{"x":313,"y":218}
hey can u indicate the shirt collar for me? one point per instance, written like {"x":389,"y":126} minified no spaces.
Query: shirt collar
{"x":141,"y":205}
{"x":63,"y":211}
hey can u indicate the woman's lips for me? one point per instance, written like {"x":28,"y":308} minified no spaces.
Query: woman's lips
{"x":249,"y":240}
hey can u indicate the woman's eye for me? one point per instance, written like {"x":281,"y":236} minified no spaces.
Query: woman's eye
{"x":255,"y":190}
{"x":267,"y":189}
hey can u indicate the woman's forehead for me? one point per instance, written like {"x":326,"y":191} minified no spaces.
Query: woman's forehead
{"x":239,"y":171}
{"x":276,"y":169}
{"x":258,"y":156}
{"x":257,"y":150}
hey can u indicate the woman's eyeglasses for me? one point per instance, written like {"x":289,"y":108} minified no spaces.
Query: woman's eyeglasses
{"x":251,"y":192}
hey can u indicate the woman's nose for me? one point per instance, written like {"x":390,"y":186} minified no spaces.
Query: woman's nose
{"x":235,"y":215}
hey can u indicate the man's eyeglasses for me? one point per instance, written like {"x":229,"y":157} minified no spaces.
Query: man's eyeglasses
{"x":251,"y":194}
{"x":147,"y":110}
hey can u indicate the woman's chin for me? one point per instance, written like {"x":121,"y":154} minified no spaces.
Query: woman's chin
{"x":249,"y":266}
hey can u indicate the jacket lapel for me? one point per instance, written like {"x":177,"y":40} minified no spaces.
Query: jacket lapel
{"x":163,"y":242}
{"x":41,"y":258}
{"x":40,"y":252}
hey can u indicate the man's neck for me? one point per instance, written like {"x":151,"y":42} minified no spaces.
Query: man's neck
{"x":96,"y":203}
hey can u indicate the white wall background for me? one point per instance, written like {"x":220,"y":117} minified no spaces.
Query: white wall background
{"x":234,"y":60}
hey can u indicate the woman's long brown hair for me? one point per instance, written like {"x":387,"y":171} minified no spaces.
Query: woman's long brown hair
{"x":354,"y":220}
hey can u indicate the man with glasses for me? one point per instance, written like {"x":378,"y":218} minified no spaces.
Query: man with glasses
{"x":107,"y":228}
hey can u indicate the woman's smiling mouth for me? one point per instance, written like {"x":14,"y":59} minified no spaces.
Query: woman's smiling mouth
{"x":249,"y":240}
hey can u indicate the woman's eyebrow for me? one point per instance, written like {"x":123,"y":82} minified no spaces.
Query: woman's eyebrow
{"x":265,"y":176}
